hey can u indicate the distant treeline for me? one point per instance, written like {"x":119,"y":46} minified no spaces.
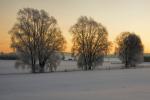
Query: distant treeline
{"x":146,"y":58}
{"x":13,"y":56}
{"x":8,"y":56}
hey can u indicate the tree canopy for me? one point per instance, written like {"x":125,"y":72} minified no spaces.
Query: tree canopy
{"x":90,"y":42}
{"x":129,"y":49}
{"x":37,"y":36}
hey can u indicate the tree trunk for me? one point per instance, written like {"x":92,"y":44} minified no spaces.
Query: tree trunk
{"x":126,"y":58}
{"x":86,"y":67}
{"x":90,"y":68}
{"x":126,"y":64}
{"x":42,"y":67}
{"x":33,"y":68}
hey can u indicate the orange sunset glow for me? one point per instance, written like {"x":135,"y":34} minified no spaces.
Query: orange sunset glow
{"x":116,"y":15}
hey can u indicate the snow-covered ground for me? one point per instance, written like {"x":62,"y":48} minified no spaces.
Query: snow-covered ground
{"x":7,"y":66}
{"x":122,"y":84}
{"x":119,"y":84}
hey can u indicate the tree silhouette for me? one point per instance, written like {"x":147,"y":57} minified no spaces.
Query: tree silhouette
{"x":37,"y":36}
{"x":90,"y":42}
{"x":129,"y":49}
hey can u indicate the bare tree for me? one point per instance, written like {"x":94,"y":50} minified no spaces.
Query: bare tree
{"x":53,"y":61}
{"x":129,"y":49}
{"x":49,"y":41}
{"x":90,"y":42}
{"x":36,"y":35}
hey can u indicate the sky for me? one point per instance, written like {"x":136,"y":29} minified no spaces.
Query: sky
{"x":116,"y":15}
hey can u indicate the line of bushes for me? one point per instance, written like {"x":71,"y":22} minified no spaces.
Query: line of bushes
{"x":8,"y":56}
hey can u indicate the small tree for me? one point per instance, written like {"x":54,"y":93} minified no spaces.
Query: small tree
{"x":129,"y":49}
{"x":53,"y":61}
{"x":36,"y":35}
{"x":90,"y":42}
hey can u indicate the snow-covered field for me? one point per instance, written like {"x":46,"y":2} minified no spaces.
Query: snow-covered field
{"x":7,"y":66}
{"x":120,"y":84}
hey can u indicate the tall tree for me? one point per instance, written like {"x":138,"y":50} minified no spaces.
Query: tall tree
{"x":37,"y":35}
{"x":129,"y":49}
{"x":90,"y":42}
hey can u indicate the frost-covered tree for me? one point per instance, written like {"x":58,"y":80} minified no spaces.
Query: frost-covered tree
{"x":129,"y":49}
{"x":37,"y":35}
{"x":90,"y":42}
{"x":97,"y":61}
{"x":53,"y":61}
